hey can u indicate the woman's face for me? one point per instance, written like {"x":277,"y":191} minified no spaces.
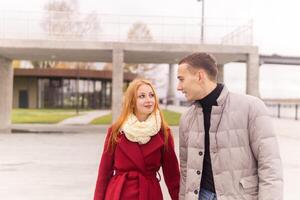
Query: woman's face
{"x":145,"y":102}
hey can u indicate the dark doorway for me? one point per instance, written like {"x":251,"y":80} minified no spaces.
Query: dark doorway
{"x":23,"y":99}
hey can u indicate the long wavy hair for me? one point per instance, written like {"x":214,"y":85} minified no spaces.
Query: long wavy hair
{"x":128,"y":107}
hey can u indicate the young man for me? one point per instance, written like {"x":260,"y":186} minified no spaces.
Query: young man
{"x":228,"y":149}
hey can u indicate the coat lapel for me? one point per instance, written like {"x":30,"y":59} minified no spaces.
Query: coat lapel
{"x":133,"y":152}
{"x":155,"y":143}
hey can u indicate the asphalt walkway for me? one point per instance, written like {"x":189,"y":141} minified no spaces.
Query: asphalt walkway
{"x":60,"y":162}
{"x":84,"y":117}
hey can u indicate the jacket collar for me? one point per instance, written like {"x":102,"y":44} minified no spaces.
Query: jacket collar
{"x":220,"y":100}
{"x":137,"y":153}
{"x":223,"y":96}
{"x":155,"y":143}
{"x":211,"y":99}
{"x":132,"y":151}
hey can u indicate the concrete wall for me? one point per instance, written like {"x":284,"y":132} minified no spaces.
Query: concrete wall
{"x":129,"y":52}
{"x":117,"y":82}
{"x":252,"y":87}
{"x":220,"y":73}
{"x":171,"y":85}
{"x":6,"y":90}
{"x":29,"y":84}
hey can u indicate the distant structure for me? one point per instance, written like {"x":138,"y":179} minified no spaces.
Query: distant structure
{"x":172,"y":38}
{"x":64,"y":88}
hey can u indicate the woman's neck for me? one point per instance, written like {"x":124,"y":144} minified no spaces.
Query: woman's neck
{"x":141,"y":117}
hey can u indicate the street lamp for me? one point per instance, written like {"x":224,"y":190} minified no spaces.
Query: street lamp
{"x":202,"y":21}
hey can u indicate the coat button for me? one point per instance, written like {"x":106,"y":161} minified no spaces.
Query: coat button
{"x":198,"y":172}
{"x":200,"y":153}
{"x":196,"y":191}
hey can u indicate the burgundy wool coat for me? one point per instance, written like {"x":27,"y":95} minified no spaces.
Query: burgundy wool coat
{"x":131,"y":171}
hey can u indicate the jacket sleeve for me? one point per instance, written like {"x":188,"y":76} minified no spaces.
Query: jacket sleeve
{"x":266,"y":151}
{"x":105,"y":170}
{"x":170,"y":169}
{"x":183,"y":159}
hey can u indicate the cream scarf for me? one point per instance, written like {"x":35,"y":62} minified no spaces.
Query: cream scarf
{"x":141,"y":132}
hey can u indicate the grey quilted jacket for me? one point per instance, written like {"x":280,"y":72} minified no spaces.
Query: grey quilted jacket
{"x":243,"y":147}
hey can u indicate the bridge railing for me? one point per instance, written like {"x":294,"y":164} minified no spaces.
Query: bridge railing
{"x":241,"y":35}
{"x":284,"y":110}
{"x":104,"y":27}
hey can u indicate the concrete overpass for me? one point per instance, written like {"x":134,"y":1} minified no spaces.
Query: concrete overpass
{"x":118,"y":53}
{"x":26,"y":40}
{"x":279,"y":60}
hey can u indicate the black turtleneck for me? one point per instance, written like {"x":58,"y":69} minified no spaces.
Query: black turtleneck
{"x":207,"y":181}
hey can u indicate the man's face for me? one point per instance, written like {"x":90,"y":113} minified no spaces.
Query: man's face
{"x":189,"y":83}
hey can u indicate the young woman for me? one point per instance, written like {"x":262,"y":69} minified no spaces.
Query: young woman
{"x":136,"y":146}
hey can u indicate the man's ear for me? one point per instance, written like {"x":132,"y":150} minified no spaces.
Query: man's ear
{"x":201,"y":74}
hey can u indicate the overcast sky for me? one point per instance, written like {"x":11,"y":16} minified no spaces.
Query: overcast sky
{"x":275,"y":27}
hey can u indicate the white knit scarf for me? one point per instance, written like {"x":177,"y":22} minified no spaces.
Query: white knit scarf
{"x":141,"y":132}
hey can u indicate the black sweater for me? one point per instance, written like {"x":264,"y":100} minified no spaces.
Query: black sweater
{"x":207,"y":181}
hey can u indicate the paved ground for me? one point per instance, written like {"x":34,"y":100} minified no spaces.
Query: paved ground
{"x":85,"y":117}
{"x":56,"y":165}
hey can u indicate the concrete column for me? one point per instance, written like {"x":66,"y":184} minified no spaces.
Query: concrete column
{"x":39,"y":98}
{"x":220,"y":74}
{"x":117,"y":82}
{"x":103,"y":95}
{"x":252,"y":85}
{"x":6,"y":94}
{"x":171,"y":85}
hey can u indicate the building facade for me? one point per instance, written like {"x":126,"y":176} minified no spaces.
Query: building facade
{"x":64,"y":88}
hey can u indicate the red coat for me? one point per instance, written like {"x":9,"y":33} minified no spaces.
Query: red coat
{"x":130,"y":172}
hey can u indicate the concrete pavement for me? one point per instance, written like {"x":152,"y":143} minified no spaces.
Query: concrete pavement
{"x":85,"y":117}
{"x":63,"y":165}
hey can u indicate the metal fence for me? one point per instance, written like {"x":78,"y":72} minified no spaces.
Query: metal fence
{"x":279,"y":110}
{"x":103,"y":27}
{"x":284,"y":110}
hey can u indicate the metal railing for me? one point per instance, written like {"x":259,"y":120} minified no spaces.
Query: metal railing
{"x":284,"y":110}
{"x":243,"y":34}
{"x":103,"y":27}
{"x":276,"y":109}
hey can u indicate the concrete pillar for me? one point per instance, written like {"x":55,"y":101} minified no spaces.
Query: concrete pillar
{"x":40,"y":88}
{"x":6,"y":94}
{"x":171,"y":85}
{"x":117,"y":82}
{"x":220,"y":74}
{"x":252,"y":85}
{"x":103,"y":95}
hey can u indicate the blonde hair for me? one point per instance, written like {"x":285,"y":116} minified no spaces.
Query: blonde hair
{"x":128,"y":106}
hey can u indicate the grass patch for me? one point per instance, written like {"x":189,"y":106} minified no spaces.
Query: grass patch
{"x":171,"y":117}
{"x":45,"y":116}
{"x":104,"y":120}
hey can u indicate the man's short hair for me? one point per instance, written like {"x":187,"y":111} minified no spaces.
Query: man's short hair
{"x":202,"y":61}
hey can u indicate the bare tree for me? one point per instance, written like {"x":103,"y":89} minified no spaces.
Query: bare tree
{"x":59,"y":17}
{"x":63,"y":21}
{"x":139,"y":32}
